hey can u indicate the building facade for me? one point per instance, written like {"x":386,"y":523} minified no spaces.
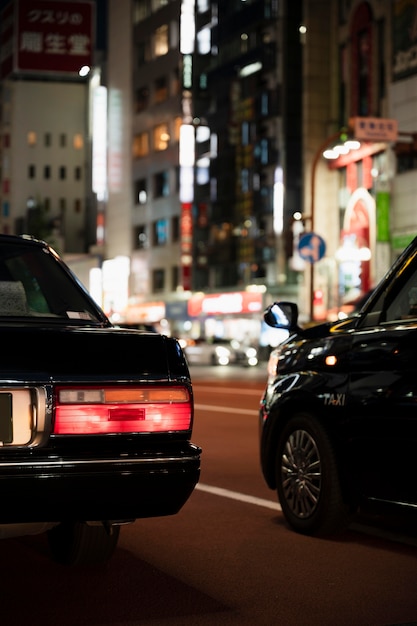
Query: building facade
{"x":191,"y":177}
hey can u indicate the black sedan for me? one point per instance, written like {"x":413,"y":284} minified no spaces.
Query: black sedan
{"x":338,"y":418}
{"x":95,"y":421}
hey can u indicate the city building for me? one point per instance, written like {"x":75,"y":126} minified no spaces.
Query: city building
{"x":360,"y":85}
{"x":189,"y":175}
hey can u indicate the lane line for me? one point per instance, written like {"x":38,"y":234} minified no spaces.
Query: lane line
{"x":241,"y":497}
{"x":230,"y":390}
{"x":225,"y":409}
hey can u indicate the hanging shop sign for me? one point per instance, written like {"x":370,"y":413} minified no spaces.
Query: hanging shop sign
{"x":374,"y":128}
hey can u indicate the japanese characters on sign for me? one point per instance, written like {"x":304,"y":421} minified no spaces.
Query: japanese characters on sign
{"x":374,"y":128}
{"x":51,"y":36}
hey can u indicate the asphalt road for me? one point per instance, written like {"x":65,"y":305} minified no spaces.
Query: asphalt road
{"x":227,"y":558}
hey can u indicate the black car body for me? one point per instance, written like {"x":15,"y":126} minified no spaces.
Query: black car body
{"x":338,"y":418}
{"x":95,"y":421}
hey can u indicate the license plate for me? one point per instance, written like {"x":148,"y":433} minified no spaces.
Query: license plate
{"x":6,"y":418}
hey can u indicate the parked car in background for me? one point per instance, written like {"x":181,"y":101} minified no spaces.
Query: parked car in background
{"x":338,"y":418}
{"x":95,"y":421}
{"x":219,"y":351}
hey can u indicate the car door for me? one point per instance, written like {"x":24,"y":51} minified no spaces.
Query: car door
{"x":382,"y":392}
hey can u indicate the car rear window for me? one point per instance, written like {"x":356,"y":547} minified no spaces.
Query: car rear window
{"x":34,"y":284}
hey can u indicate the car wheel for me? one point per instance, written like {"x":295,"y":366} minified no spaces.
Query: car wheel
{"x":77,"y":543}
{"x":308,"y":482}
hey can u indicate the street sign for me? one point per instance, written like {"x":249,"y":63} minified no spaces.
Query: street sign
{"x":374,"y":128}
{"x":311,"y":247}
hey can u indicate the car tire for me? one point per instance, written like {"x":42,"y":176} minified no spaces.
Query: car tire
{"x":307,"y":478}
{"x":77,"y":543}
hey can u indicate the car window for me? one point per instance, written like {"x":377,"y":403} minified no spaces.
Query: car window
{"x":404,"y":304}
{"x":34,"y":284}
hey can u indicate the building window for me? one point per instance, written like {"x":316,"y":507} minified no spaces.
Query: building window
{"x":31,"y":138}
{"x":78,"y":141}
{"x":176,"y":82}
{"x":31,"y":171}
{"x":141,"y":99}
{"x":47,"y":139}
{"x":160,"y":232}
{"x":141,"y":10}
{"x":158,"y":280}
{"x":160,"y":89}
{"x":161,"y":137}
{"x":77,"y":205}
{"x":161,"y":184}
{"x":140,"y":237}
{"x":140,"y":145}
{"x":161,"y":42}
{"x":62,"y":172}
{"x":175,"y":276}
{"x":47,"y":171}
{"x":63,"y":140}
{"x":175,"y":225}
{"x":78,"y":173}
{"x":177,"y":128}
{"x":140,"y":192}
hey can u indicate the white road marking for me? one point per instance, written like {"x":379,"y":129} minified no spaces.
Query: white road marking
{"x":230,"y":390}
{"x":225,"y":409}
{"x":241,"y":497}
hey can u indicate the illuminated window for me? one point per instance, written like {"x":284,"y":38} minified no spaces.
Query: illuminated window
{"x":160,"y":232}
{"x":140,"y":145}
{"x":31,"y":138}
{"x":140,"y":237}
{"x":161,"y":137}
{"x":140,"y":191}
{"x":78,"y":141}
{"x":177,"y":127}
{"x":161,"y":45}
{"x":161,"y":89}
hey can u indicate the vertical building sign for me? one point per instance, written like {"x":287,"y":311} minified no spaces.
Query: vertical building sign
{"x":186,"y":244}
{"x":46,"y":36}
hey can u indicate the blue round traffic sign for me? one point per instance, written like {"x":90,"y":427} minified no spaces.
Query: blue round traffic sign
{"x":311,"y":247}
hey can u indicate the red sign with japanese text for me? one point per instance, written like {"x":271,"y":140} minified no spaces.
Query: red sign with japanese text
{"x":52,"y":36}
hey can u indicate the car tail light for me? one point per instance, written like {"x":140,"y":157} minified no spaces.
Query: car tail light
{"x":101,"y":410}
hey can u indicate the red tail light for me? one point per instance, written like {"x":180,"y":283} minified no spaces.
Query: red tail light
{"x":101,"y":410}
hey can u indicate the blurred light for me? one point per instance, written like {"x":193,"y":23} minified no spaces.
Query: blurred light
{"x":250,"y":69}
{"x":84,"y":71}
{"x":278,"y":200}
